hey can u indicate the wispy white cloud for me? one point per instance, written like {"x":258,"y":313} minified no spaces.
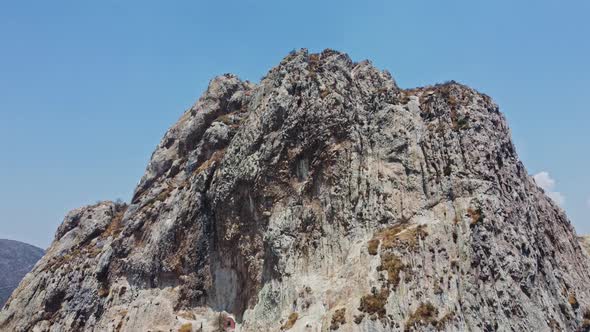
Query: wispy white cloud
{"x":545,"y":181}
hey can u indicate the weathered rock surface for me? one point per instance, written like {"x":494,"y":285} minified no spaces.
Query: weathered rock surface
{"x":323,"y":198}
{"x":585,"y":242}
{"x":16,"y":260}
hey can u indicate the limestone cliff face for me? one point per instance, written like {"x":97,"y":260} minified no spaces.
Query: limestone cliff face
{"x":585,"y":242}
{"x":323,"y":198}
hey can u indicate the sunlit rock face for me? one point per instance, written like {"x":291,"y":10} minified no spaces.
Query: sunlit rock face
{"x":585,"y":242}
{"x":323,"y":198}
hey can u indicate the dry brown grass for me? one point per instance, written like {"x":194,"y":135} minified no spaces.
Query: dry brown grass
{"x":373,"y":246}
{"x":426,"y":314}
{"x":375,"y":303}
{"x":393,"y":265}
{"x":573,"y":300}
{"x":162,"y":196}
{"x":186,"y":327}
{"x":290,"y":321}
{"x":452,"y":101}
{"x":447,"y":318}
{"x":119,"y":326}
{"x":313,"y":63}
{"x":314,"y":59}
{"x":401,"y":235}
{"x":476,"y":215}
{"x":186,"y":315}
{"x":586,"y":322}
{"x":225,"y":118}
{"x":114,"y":228}
{"x":103,"y":292}
{"x":338,"y":319}
{"x":215,"y":158}
{"x":405,"y":98}
{"x":456,"y":219}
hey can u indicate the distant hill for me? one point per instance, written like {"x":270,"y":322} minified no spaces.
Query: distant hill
{"x":16,"y":260}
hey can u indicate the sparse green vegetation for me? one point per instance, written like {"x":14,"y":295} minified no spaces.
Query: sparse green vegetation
{"x":463,"y":123}
{"x":454,"y":119}
{"x":162,"y":195}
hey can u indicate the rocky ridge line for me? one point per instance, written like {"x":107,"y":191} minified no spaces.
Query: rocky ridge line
{"x":323,"y":198}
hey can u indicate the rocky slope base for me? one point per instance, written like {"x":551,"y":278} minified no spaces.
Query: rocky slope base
{"x":16,"y":260}
{"x":323,"y":198}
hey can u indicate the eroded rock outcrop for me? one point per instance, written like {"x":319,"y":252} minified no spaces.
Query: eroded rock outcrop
{"x":585,"y":242}
{"x":323,"y":198}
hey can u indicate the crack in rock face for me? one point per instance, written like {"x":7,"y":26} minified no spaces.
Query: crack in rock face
{"x":323,"y":198}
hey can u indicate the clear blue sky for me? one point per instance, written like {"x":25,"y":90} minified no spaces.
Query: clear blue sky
{"x":87,"y":89}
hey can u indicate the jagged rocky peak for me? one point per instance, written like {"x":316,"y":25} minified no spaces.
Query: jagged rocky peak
{"x":323,"y":198}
